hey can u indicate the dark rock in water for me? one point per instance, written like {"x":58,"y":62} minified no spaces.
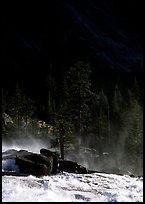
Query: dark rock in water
{"x":45,"y":163}
{"x":70,"y":166}
{"x":82,"y":170}
{"x":34,"y":164}
{"x":55,"y":157}
{"x":24,"y":153}
{"x":29,"y":167}
{"x":9,"y":151}
{"x":9,"y":154}
{"x":66,"y":165}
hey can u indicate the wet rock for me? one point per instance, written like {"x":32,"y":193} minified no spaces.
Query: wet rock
{"x":70,"y":166}
{"x":55,"y":157}
{"x":45,"y":163}
{"x":34,"y":164}
{"x":9,"y":154}
{"x":82,"y":170}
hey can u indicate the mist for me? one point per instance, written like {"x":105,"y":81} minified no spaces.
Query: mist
{"x":21,"y":139}
{"x":112,"y":159}
{"x":84,"y":150}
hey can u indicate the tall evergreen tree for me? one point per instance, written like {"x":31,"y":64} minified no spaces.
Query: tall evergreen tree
{"x":117,"y":112}
{"x":134,"y":126}
{"x":117,"y":129}
{"x":16,"y":105}
{"x":21,"y":108}
{"x":73,"y":112}
{"x":135,"y":91}
{"x":104,"y":121}
{"x":51,"y":95}
{"x":78,"y":94}
{"x":3,"y":102}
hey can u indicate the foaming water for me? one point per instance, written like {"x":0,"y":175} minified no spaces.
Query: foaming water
{"x":68,"y":187}
{"x":64,"y":187}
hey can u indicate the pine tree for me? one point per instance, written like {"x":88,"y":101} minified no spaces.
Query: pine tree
{"x":135,"y":91}
{"x":104,"y":121}
{"x":51,"y":92}
{"x":117,"y":113}
{"x":118,"y":103}
{"x":16,"y":105}
{"x":21,"y":108}
{"x":117,"y":126}
{"x":72,"y":116}
{"x":63,"y":131}
{"x":3,"y":102}
{"x":78,"y":93}
{"x":134,"y":126}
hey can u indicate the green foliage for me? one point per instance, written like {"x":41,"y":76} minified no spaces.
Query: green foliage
{"x":117,"y":117}
{"x":117,"y":104}
{"x":20,"y":109}
{"x":63,"y":132}
{"x":104,"y":120}
{"x":21,"y":106}
{"x":78,"y":94}
{"x":51,"y":92}
{"x":135,"y":92}
{"x":134,"y":126}
{"x":113,"y":126}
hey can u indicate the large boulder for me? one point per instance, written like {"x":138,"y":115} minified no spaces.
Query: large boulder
{"x":45,"y":163}
{"x":34,"y":164}
{"x":70,"y":166}
{"x":81,"y":169}
{"x":9,"y":154}
{"x":55,"y":157}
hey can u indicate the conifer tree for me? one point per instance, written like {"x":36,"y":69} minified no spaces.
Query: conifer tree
{"x":117,"y":113}
{"x":78,"y":94}
{"x":73,"y":112}
{"x":104,"y":121}
{"x":134,"y":126}
{"x":51,"y":92}
{"x":3,"y":102}
{"x":16,"y":105}
{"x":21,"y":108}
{"x":117,"y":126}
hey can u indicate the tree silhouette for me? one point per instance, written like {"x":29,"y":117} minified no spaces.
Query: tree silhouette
{"x":78,"y":94}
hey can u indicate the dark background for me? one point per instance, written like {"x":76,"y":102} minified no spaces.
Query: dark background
{"x":50,"y":38}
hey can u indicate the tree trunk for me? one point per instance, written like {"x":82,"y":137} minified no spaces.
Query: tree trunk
{"x":109,"y":140}
{"x":61,"y":146}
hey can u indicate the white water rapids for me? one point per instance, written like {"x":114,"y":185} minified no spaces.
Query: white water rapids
{"x":70,"y":187}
